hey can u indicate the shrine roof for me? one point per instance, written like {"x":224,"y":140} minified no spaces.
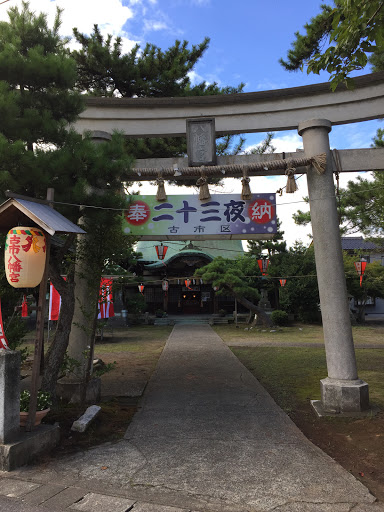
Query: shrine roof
{"x":211,"y":248}
{"x":21,"y":211}
{"x":350,"y":243}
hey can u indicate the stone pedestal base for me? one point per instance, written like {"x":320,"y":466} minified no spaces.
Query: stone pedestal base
{"x":29,"y":446}
{"x":343,"y":396}
{"x":71,"y":390}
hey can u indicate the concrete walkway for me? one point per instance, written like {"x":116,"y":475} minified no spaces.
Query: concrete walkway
{"x":208,"y":438}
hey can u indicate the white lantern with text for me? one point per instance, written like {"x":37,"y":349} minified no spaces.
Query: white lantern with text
{"x":24,"y":258}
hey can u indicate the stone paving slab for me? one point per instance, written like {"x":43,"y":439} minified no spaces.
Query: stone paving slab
{"x":65,"y":498}
{"x":376,"y":507}
{"x":42,"y":494}
{"x":150,"y":507}
{"x":16,"y":488}
{"x":93,"y":502}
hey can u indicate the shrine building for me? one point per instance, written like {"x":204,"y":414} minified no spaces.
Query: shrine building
{"x":169,"y":284}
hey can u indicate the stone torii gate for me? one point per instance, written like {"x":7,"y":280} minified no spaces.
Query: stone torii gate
{"x":312,"y":110}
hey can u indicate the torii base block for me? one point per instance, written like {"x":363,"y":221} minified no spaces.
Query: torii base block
{"x":340,"y":397}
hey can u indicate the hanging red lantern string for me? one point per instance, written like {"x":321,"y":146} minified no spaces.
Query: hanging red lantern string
{"x":283,"y":282}
{"x":141,"y":288}
{"x":263,"y":265}
{"x":161,"y":251}
{"x":165,"y":286}
{"x":360,"y":268}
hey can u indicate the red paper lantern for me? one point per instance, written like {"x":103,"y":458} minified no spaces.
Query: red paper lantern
{"x":215,"y":288}
{"x":283,"y":282}
{"x":161,"y":251}
{"x":360,"y":268}
{"x":24,"y":258}
{"x":141,"y":288}
{"x":263,"y":265}
{"x":164,"y":285}
{"x":187,"y":283}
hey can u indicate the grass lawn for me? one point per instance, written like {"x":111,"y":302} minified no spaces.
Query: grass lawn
{"x":291,"y":375}
{"x":299,"y":333}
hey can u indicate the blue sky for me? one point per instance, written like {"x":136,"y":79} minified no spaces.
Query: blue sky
{"x":247,"y":39}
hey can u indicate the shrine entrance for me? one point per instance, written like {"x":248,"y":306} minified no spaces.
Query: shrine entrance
{"x":312,"y":110}
{"x":191,"y":301}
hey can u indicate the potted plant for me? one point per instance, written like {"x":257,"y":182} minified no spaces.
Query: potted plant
{"x":42,"y":409}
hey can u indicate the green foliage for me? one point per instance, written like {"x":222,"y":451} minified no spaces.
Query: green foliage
{"x":68,"y":365}
{"x":279,"y":317}
{"x":360,"y":203}
{"x":135,"y":305}
{"x":104,"y":70}
{"x":105,"y":368}
{"x":300,"y":295}
{"x":340,"y":40}
{"x":229,"y":276}
{"x":37,"y":79}
{"x":44,"y":400}
{"x":265,"y":147}
{"x":272,"y":246}
{"x":372,"y":284}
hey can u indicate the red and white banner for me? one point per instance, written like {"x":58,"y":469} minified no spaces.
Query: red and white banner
{"x":106,"y":308}
{"x":24,"y":307}
{"x":54,"y":303}
{"x":3,"y":339}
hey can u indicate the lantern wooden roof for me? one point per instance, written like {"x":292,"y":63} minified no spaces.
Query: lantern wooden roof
{"x":14,"y":212}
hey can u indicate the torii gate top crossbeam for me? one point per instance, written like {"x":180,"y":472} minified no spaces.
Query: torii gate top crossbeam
{"x":275,"y":110}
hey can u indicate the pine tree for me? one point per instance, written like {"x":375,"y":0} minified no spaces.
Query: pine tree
{"x":36,"y":98}
{"x":360,"y":203}
{"x":229,"y":276}
{"x":38,"y":150}
{"x":339,"y":40}
{"x":152,"y":73}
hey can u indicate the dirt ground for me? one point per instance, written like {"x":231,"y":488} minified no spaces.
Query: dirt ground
{"x":357,"y":444}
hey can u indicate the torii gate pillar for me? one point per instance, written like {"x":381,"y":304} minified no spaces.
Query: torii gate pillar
{"x":342,"y":391}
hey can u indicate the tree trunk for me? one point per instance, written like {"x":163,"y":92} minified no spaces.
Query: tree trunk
{"x":261,"y":314}
{"x":56,"y":352}
{"x":361,"y":313}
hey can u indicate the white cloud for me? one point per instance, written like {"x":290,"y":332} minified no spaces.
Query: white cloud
{"x":288,"y":143}
{"x":83,"y":14}
{"x":155,"y":25}
{"x":195,"y":78}
{"x":268,"y":85}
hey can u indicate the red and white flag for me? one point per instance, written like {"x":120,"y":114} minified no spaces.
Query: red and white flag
{"x":54,"y":303}
{"x":106,"y":308}
{"x":3,"y":339}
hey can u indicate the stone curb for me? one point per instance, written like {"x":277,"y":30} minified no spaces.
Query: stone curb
{"x":56,"y":497}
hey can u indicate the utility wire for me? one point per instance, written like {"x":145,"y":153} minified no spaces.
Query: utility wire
{"x":333,"y":196}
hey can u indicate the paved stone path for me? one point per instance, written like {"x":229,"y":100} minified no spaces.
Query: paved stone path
{"x":208,"y":438}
